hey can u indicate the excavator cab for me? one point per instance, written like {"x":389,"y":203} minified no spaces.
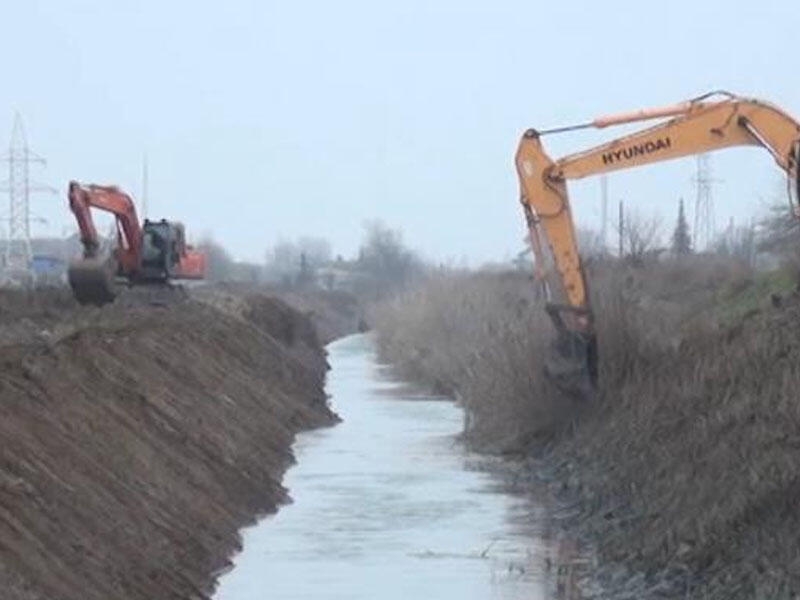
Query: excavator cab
{"x":161,"y":250}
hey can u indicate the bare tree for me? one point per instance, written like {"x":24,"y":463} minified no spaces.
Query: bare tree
{"x":779,"y":235}
{"x":292,"y":261}
{"x":641,"y":236}
{"x":738,"y":242}
{"x":590,"y":243}
{"x":317,"y":250}
{"x":387,"y":262}
{"x":219,"y":263}
{"x":780,"y":231}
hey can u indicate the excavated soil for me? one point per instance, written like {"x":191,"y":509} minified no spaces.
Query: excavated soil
{"x":136,"y":440}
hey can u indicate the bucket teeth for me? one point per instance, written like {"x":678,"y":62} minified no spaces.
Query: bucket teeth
{"x":92,"y":281}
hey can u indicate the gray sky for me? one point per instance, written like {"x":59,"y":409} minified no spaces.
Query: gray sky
{"x":267,"y":120}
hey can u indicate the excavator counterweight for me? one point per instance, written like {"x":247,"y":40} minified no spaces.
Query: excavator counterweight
{"x":707,"y":123}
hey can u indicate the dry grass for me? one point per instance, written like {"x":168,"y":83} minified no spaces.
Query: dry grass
{"x":478,"y":337}
{"x":688,"y":465}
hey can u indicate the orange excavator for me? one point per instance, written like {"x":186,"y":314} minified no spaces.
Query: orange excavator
{"x":153,"y":253}
{"x":710,"y":122}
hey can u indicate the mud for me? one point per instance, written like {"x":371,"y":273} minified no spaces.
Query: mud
{"x":136,"y":440}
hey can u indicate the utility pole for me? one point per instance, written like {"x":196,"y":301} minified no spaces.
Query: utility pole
{"x":18,"y":254}
{"x":604,"y":204}
{"x":621,"y":228}
{"x":145,"y":183}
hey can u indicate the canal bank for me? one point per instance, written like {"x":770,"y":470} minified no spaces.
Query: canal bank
{"x":138,"y":440}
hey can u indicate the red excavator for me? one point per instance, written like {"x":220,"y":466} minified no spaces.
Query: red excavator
{"x":153,"y":253}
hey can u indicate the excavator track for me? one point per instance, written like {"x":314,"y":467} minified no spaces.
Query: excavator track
{"x":161,"y":293}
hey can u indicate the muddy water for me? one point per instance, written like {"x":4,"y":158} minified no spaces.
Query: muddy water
{"x":385,"y":506}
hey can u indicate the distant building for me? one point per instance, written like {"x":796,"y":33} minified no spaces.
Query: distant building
{"x":340,"y":276}
{"x":48,"y":264}
{"x":49,"y":269}
{"x":63,"y":248}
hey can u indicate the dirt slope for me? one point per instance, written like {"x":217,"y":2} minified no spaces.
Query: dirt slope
{"x":333,"y":313}
{"x":134,"y":443}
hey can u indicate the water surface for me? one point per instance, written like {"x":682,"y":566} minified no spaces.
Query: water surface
{"x":385,"y":506}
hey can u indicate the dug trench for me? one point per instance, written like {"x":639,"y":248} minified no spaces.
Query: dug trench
{"x":135,"y":441}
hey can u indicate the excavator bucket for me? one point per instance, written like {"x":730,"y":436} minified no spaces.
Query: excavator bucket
{"x":93,"y":280}
{"x":572,"y":363}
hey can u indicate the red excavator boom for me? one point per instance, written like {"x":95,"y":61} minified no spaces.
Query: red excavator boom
{"x":119,"y":204}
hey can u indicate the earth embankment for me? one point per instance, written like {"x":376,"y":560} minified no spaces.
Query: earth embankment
{"x":135,"y":441}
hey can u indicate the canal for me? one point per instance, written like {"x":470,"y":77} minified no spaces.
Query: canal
{"x":387,"y":505}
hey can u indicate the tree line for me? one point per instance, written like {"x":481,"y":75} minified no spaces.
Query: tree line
{"x":383,"y":265}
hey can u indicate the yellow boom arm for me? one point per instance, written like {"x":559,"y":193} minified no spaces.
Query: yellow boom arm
{"x":697,"y":126}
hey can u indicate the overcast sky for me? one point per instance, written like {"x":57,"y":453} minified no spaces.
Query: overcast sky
{"x":266,"y":120}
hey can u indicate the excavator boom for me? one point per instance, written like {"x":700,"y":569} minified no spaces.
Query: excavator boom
{"x":92,"y":277}
{"x":109,"y":199}
{"x":700,"y":125}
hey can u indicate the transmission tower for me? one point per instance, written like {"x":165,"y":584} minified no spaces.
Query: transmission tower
{"x":17,"y":253}
{"x":704,"y":225}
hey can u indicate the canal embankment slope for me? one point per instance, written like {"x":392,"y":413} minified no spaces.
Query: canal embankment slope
{"x":136,"y":441}
{"x":681,"y":478}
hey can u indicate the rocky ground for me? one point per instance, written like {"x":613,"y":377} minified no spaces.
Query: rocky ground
{"x":136,"y":440}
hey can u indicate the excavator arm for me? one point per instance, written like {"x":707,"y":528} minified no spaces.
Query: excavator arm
{"x":109,"y":199}
{"x":92,"y":277}
{"x":697,"y":126}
